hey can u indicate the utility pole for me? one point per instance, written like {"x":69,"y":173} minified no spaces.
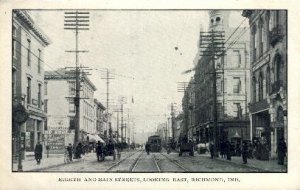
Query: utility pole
{"x":212,"y":46}
{"x":173,"y":122}
{"x":108,"y":77}
{"x":122,"y":101}
{"x":186,"y":88}
{"x":77,"y":21}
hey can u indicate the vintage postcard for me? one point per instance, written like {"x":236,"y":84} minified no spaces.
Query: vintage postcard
{"x":160,"y":96}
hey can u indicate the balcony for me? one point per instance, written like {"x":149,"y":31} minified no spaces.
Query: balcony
{"x":276,"y":86}
{"x":276,"y":35}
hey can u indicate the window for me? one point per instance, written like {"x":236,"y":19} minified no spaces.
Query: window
{"x":254,"y":89}
{"x":72,"y":123}
{"x":237,"y":59}
{"x":28,"y":52}
{"x":278,"y":67}
{"x":72,"y":88}
{"x":14,"y":48}
{"x":220,"y":110}
{"x":45,"y":106}
{"x":71,"y":106}
{"x":28,"y":90}
{"x":236,"y":85}
{"x":238,"y":110}
{"x":254,"y":43}
{"x":219,"y":85}
{"x":260,"y":87}
{"x":45,"y":88}
{"x":218,"y":19}
{"x":39,"y":95}
{"x":39,"y":61}
{"x":14,"y":89}
{"x":260,"y":37}
{"x":268,"y":81}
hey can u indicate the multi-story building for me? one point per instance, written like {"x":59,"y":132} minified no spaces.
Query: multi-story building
{"x":188,"y":104}
{"x":99,"y":117}
{"x":28,"y":44}
{"x":232,"y":74}
{"x":60,"y":107}
{"x":268,"y":57}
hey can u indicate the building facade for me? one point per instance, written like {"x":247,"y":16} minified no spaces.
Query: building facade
{"x":99,"y":117}
{"x":232,"y":72}
{"x":60,"y":108}
{"x":268,"y":106}
{"x":28,"y":46}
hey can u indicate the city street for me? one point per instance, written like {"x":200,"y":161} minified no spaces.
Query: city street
{"x":139,"y":161}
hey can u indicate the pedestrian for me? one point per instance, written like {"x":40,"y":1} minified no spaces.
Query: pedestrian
{"x":212,"y":149}
{"x":238,"y":149}
{"x":245,"y":152}
{"x":70,"y":151}
{"x":147,"y":147}
{"x":79,"y":150}
{"x":38,"y":153}
{"x":222,"y":149}
{"x":99,"y":150}
{"x":281,"y":151}
{"x":228,"y":150}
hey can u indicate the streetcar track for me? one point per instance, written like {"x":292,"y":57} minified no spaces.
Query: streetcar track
{"x":136,"y":161}
{"x":156,"y":163}
{"x":119,"y":162}
{"x":176,"y":163}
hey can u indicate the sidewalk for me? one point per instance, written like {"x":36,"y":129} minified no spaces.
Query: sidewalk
{"x":265,"y":166}
{"x":53,"y":160}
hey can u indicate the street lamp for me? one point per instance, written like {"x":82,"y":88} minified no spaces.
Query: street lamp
{"x":20,"y":116}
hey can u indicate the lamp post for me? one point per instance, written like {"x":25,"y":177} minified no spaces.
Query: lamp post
{"x":20,"y":116}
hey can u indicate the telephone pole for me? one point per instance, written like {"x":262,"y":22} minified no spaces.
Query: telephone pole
{"x":108,"y":77}
{"x":76,"y":21}
{"x":212,"y":46}
{"x":122,"y":101}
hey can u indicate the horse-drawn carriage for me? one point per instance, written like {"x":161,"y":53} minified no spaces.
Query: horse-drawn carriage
{"x":109,"y":149}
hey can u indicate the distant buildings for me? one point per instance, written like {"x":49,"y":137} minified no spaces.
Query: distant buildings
{"x":60,"y":109}
{"x":268,"y":57}
{"x":28,"y":46}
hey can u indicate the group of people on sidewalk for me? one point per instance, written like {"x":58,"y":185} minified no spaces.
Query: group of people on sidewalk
{"x":226,"y":151}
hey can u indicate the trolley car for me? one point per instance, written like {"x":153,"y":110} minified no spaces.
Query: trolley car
{"x":155,"y":143}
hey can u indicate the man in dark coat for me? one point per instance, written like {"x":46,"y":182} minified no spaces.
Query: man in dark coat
{"x":281,"y":151}
{"x":245,"y":152}
{"x":79,"y":150}
{"x":38,"y":152}
{"x":212,"y":149}
{"x":70,"y":151}
{"x":99,"y":150}
{"x":147,"y":147}
{"x":228,"y":150}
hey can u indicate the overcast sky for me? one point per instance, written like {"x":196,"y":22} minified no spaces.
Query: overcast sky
{"x":138,"y":46}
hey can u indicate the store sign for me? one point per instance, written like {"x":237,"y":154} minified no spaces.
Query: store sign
{"x":56,"y":141}
{"x":58,"y":123}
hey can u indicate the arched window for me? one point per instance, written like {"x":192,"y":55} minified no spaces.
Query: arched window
{"x":278,"y":65}
{"x":253,"y":39}
{"x":260,"y":36}
{"x":267,"y":28}
{"x":268,"y":81}
{"x":253,"y":89}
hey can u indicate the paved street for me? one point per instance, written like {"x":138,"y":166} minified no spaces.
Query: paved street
{"x":139,"y":161}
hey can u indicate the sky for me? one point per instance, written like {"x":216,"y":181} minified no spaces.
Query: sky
{"x":139,"y":48}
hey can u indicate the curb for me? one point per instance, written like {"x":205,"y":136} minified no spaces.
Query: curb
{"x":53,"y":166}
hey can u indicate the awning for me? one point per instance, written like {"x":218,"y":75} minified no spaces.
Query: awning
{"x":95,"y":138}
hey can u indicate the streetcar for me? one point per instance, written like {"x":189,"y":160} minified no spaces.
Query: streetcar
{"x":154,"y":142}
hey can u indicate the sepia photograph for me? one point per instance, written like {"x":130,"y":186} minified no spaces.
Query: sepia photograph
{"x":149,"y":91}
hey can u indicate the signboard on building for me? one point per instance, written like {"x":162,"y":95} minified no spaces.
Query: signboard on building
{"x":58,"y":123}
{"x":56,"y":142}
